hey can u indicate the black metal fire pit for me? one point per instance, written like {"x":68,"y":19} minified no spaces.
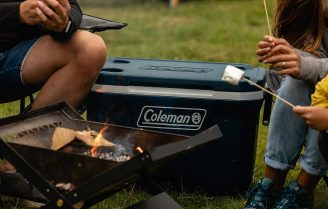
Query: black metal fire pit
{"x":26,"y":140}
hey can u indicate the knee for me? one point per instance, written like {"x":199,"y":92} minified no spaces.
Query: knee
{"x":296,"y":91}
{"x":89,"y":51}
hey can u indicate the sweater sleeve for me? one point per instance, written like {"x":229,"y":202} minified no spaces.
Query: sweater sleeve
{"x":313,"y":68}
{"x":9,"y":18}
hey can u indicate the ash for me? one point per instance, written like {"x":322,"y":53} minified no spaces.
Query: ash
{"x":116,"y":153}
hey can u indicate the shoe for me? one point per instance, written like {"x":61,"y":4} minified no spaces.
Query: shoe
{"x":294,"y":197}
{"x":261,"y":196}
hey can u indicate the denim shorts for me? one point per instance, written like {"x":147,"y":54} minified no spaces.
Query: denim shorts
{"x":11,"y":61}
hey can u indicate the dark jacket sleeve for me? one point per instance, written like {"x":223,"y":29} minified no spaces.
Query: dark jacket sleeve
{"x":75,"y":17}
{"x":9,"y":17}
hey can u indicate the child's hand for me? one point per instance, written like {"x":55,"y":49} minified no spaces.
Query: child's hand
{"x":316,"y":117}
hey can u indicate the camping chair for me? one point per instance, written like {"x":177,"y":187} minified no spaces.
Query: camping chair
{"x":90,"y":23}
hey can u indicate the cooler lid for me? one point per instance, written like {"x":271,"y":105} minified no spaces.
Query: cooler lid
{"x":176,"y":74}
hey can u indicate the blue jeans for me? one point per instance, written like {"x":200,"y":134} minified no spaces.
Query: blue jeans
{"x":11,"y":84}
{"x":288,"y":134}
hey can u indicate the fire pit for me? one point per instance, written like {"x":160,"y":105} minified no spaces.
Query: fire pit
{"x":87,"y":176}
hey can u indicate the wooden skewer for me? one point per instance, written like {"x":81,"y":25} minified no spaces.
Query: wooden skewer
{"x":267,"y":16}
{"x":269,"y":92}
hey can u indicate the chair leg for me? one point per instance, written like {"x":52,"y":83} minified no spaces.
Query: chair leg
{"x":24,"y":109}
{"x":22,"y":105}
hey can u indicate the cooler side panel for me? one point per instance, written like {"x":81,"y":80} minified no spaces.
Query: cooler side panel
{"x":225,"y":165}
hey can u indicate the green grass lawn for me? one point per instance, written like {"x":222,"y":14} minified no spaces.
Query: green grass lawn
{"x":204,"y":30}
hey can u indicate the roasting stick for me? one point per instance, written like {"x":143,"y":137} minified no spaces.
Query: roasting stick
{"x":258,"y":86}
{"x":233,"y":75}
{"x":267,"y":16}
{"x":268,"y":91}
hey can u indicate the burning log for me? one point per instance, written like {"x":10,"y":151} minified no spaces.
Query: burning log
{"x":63,"y":136}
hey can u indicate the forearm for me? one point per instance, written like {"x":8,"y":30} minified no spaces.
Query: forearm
{"x":312,"y":69}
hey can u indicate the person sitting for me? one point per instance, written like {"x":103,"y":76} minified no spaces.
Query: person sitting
{"x":316,"y":115}
{"x":297,"y":55}
{"x":41,"y":49}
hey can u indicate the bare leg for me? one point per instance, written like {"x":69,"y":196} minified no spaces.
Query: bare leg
{"x":308,"y":181}
{"x":304,"y":179}
{"x":67,"y":70}
{"x":278,"y":177}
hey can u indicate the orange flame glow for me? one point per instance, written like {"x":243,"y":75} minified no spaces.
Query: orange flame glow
{"x":139,"y":149}
{"x":99,"y":138}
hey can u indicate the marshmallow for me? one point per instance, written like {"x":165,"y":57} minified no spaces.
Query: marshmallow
{"x":232,"y":75}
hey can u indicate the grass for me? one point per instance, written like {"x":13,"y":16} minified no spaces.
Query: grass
{"x":205,"y":30}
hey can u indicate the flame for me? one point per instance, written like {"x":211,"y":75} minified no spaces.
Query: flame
{"x":139,"y":149}
{"x":97,"y":141}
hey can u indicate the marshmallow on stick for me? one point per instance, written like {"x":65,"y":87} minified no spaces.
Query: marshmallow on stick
{"x":233,"y":75}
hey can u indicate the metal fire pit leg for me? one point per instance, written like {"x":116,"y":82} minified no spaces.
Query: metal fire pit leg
{"x":150,"y":186}
{"x":56,"y":200}
{"x":159,"y":201}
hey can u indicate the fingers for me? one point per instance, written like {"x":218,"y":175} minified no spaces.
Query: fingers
{"x":301,"y":109}
{"x":278,"y":59}
{"x":263,"y":54}
{"x":314,"y":116}
{"x":53,"y":13}
{"x":65,"y":4}
{"x":270,"y":45}
{"x":27,"y":12}
{"x":282,"y":58}
{"x":265,"y":46}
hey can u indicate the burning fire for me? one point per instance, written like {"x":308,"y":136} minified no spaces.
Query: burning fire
{"x":98,"y":141}
{"x":139,"y":149}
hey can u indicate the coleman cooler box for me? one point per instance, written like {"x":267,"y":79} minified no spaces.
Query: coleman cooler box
{"x":186,"y":97}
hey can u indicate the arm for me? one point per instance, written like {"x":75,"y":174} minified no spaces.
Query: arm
{"x":313,"y":69}
{"x":286,"y":60}
{"x":61,"y":18}
{"x":14,"y":14}
{"x":315,"y":116}
{"x":75,"y":16}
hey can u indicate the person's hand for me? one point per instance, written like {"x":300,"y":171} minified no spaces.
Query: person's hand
{"x":316,"y":117}
{"x":27,"y":12}
{"x":265,"y":46}
{"x":53,"y":14}
{"x":280,"y":54}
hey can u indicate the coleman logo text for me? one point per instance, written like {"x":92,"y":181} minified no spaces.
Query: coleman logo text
{"x":171,"y":118}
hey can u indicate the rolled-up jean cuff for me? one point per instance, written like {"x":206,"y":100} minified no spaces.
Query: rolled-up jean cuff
{"x":277,"y":165}
{"x":312,"y":171}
